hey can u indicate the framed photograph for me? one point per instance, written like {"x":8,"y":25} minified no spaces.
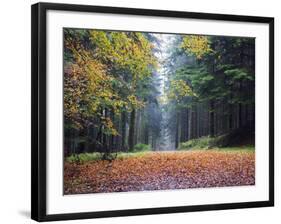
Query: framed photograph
{"x":139,"y":111}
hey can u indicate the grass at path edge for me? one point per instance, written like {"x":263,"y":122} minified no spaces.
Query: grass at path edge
{"x":94,"y":156}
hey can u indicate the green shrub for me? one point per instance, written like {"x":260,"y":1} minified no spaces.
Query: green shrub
{"x":200,"y":143}
{"x":95,"y":156}
{"x":84,"y":157}
{"x":141,"y":147}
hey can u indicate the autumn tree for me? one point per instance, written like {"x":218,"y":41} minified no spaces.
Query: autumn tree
{"x":102,"y":72}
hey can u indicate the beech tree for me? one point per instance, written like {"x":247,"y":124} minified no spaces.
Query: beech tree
{"x":103,"y":75}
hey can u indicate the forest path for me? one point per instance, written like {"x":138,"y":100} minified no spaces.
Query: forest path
{"x":161,"y":171}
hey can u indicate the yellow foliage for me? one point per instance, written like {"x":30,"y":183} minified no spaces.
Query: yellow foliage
{"x":86,"y":82}
{"x":124,"y":51}
{"x":179,"y":89}
{"x":88,"y":78}
{"x":134,"y":102}
{"x":197,"y":45}
{"x":109,"y":126}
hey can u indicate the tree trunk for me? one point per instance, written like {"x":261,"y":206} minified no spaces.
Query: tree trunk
{"x":105,"y":140}
{"x":240,"y":107}
{"x":123,"y":131}
{"x":212,"y":119}
{"x":190,"y":132}
{"x":182,"y":126}
{"x":177,"y":131}
{"x":146,"y":134}
{"x":187,"y":119}
{"x":240,"y":115}
{"x":132,"y":130}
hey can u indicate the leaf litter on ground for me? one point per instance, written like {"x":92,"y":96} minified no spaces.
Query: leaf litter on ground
{"x":161,"y":171}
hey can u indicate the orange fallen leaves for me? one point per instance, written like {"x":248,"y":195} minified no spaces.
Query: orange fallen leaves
{"x":161,"y":171}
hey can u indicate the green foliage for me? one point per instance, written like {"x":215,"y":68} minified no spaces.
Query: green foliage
{"x":94,"y":156}
{"x":190,"y":145}
{"x":237,"y":138}
{"x":239,"y":74}
{"x":219,"y":67}
{"x":124,"y":155}
{"x":97,"y":156}
{"x":84,"y":157}
{"x":142,"y":147}
{"x":241,"y":149}
{"x":199,"y":143}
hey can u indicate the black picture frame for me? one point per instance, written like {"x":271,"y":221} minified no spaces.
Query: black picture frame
{"x":39,"y":124}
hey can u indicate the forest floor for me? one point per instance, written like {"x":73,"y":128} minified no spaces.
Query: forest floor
{"x":162,"y":171}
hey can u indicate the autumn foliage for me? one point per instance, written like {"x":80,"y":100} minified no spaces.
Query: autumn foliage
{"x":162,"y":171}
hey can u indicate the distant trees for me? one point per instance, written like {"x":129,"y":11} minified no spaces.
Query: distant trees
{"x":220,"y":72}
